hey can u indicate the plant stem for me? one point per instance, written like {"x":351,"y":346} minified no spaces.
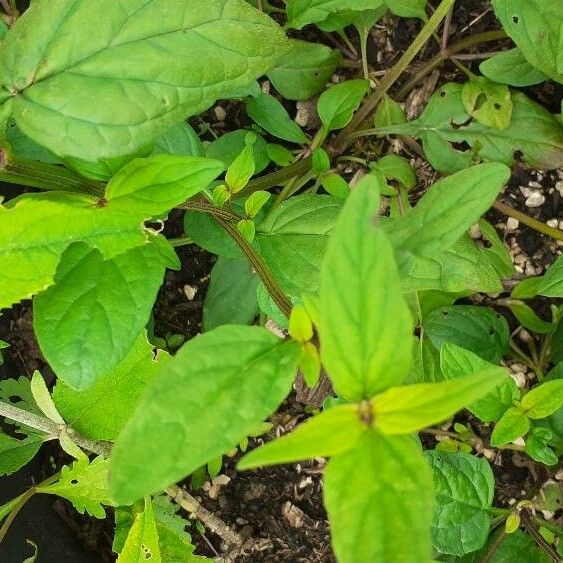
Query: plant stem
{"x":528,"y":523}
{"x":46,"y":177}
{"x":552,"y":232}
{"x":51,"y":428}
{"x":180,"y":241}
{"x":258,"y":264}
{"x":494,"y":546}
{"x":342,"y":140}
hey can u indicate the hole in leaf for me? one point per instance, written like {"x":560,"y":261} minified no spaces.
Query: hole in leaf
{"x":14,"y":399}
{"x":74,"y":481}
{"x":480,"y":101}
{"x":461,"y":125}
{"x":445,"y":313}
{"x":497,"y":106}
{"x":515,"y":19}
{"x":443,"y":93}
{"x":491,"y":331}
{"x":518,"y":156}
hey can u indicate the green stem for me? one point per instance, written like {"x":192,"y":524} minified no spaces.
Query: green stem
{"x":342,"y":140}
{"x":552,"y":232}
{"x":180,"y":241}
{"x":528,"y":522}
{"x":46,"y":177}
{"x":258,"y":264}
{"x":494,"y":546}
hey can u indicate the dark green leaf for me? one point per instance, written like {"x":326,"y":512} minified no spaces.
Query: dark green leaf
{"x":511,"y":67}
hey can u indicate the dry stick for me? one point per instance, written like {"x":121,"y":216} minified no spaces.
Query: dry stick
{"x":54,"y":430}
{"x":552,"y":232}
{"x":342,"y":140}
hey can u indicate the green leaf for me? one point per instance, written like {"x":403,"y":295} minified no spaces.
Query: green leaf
{"x":489,"y":103}
{"x":464,"y":486}
{"x":364,"y":318}
{"x":543,"y":400}
{"x":96,"y":305}
{"x":152,"y":186}
{"x":180,"y":140}
{"x":270,"y":114}
{"x":495,"y":250}
{"x":304,"y":70}
{"x":255,"y":202}
{"x":535,"y":26}
{"x":397,"y":168}
{"x":14,"y":453}
{"x":147,"y":67}
{"x":456,"y":361}
{"x":513,"y":424}
{"x":448,"y":209}
{"x":293,"y":237}
{"x":142,"y":540}
{"x":408,"y":8}
{"x":526,"y":316}
{"x":18,"y":393}
{"x":227,"y":147}
{"x":511,"y":67}
{"x":85,"y":485}
{"x":101,"y":411}
{"x":335,"y":185}
{"x":231,"y":295}
{"x":548,"y":285}
{"x":406,"y":409}
{"x":303,"y":12}
{"x":533,"y":132}
{"x":478,"y":329}
{"x":43,"y":398}
{"x":330,"y":433}
{"x":537,"y":448}
{"x":202,"y":404}
{"x":279,"y":155}
{"x":242,"y":168}
{"x":337,"y":105}
{"x":388,"y":112}
{"x":381,"y":484}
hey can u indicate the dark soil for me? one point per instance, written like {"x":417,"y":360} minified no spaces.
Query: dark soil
{"x":278,"y":509}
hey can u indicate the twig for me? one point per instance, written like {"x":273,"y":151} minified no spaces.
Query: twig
{"x":527,"y":521}
{"x":211,"y":522}
{"x":446,"y":30}
{"x":494,"y":546}
{"x":52,"y":429}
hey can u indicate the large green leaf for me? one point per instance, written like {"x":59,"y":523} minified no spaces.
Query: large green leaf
{"x":85,"y":484}
{"x":231,"y":296}
{"x":96,"y":305}
{"x":365,"y":321}
{"x":304,"y":70}
{"x":292,"y":240}
{"x":464,"y":486}
{"x":456,"y":361}
{"x":379,"y":500}
{"x":535,"y":27}
{"x":217,"y":388}
{"x":101,"y":411}
{"x":534,"y":133}
{"x":142,"y":541}
{"x":544,"y":399}
{"x":479,"y":329}
{"x":448,"y":209}
{"x":148,"y":65}
{"x":329,"y":433}
{"x":35,"y":229}
{"x":406,"y":409}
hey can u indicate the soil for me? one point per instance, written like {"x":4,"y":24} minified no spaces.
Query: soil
{"x":279,"y":510}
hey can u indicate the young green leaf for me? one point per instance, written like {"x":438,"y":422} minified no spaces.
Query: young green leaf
{"x":513,"y":424}
{"x":100,"y":412}
{"x":408,"y":8}
{"x":487,"y":102}
{"x":548,"y":285}
{"x":300,"y":325}
{"x":255,"y":202}
{"x":337,"y":105}
{"x":511,"y":68}
{"x":43,"y":398}
{"x":231,"y":295}
{"x":534,"y":25}
{"x":448,"y":209}
{"x":464,"y":487}
{"x":241,"y":169}
{"x":303,"y":12}
{"x":403,"y":410}
{"x":335,"y":185}
{"x":330,"y":433}
{"x":228,"y":147}
{"x":203,"y":403}
{"x":456,"y":361}
{"x":293,"y":237}
{"x":85,"y":484}
{"x":304,"y":70}
{"x":363,"y":489}
{"x":96,"y":305}
{"x":152,"y":186}
{"x":543,"y":400}
{"x":310,"y":364}
{"x":364,"y":318}
{"x":142,"y":540}
{"x":397,"y":168}
{"x":478,"y":329}
{"x":270,"y":114}
{"x":388,"y":113}
{"x":199,"y":54}
{"x":527,"y":317}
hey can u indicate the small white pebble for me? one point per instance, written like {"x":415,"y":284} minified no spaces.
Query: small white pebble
{"x":553,"y":223}
{"x":559,"y":187}
{"x":475,"y":231}
{"x":535,"y":200}
{"x":519,"y":259}
{"x":220,"y":113}
{"x":519,"y":379}
{"x":519,"y":269}
{"x":534,"y":185}
{"x":512,"y":224}
{"x":519,"y":442}
{"x":190,"y":291}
